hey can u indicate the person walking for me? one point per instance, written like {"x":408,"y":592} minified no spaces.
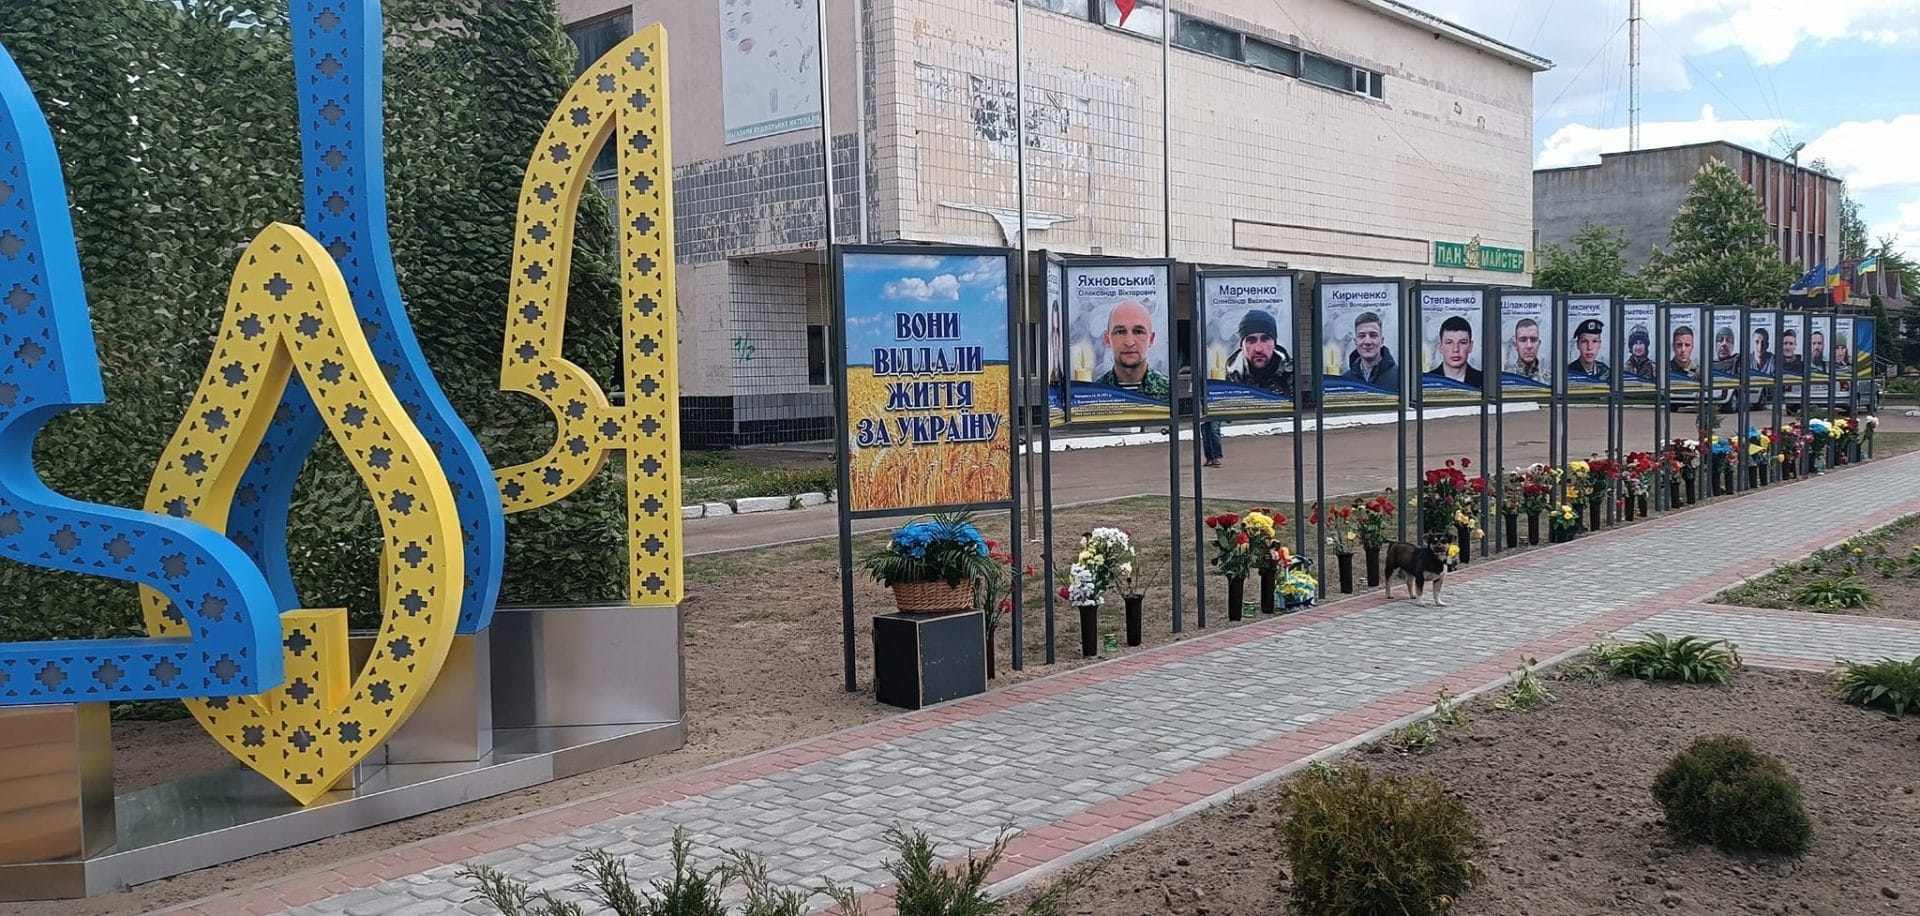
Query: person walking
{"x":1211,"y":444}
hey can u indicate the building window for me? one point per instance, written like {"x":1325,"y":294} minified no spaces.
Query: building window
{"x":1207,"y":38}
{"x":816,"y":354}
{"x":594,"y":39}
{"x":1273,"y":57}
{"x":1146,"y":20}
{"x":1333,"y":74}
{"x":1078,"y":9}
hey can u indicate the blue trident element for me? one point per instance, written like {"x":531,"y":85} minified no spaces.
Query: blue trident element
{"x":337,"y":73}
{"x":47,"y":365}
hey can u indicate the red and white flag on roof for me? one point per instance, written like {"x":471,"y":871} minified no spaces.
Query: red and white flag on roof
{"x":1126,"y":9}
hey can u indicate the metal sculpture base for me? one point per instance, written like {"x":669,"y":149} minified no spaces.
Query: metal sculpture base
{"x":572,"y":690}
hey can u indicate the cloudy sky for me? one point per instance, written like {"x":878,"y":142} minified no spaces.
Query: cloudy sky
{"x":1842,"y":76}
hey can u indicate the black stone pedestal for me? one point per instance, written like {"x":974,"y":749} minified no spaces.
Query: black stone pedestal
{"x":923,"y":659}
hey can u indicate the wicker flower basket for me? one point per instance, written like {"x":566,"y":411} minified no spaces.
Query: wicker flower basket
{"x":932,"y":597}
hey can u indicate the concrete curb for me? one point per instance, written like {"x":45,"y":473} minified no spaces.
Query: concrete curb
{"x":751,"y":505}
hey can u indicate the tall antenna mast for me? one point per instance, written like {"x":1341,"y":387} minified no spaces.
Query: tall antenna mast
{"x":1633,"y":75}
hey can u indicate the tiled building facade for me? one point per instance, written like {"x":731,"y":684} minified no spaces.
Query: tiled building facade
{"x":1343,"y":136}
{"x":1639,"y":193}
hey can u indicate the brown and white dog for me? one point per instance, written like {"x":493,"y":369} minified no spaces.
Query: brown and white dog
{"x":1417,"y":565}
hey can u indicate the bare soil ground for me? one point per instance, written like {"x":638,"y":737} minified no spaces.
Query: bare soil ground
{"x":1561,"y":794}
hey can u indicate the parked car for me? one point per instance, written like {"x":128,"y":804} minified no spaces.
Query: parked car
{"x":1867,"y":392}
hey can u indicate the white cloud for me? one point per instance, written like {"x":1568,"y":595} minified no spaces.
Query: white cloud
{"x":983,"y":270}
{"x":1770,"y":31}
{"x":1871,"y":155}
{"x":1905,"y":224}
{"x":943,"y":288}
{"x":1581,"y":144}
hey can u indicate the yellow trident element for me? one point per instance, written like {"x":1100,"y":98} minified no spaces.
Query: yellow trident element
{"x":288,"y":314}
{"x":621,"y":97}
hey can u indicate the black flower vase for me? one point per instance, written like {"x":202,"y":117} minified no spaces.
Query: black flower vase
{"x":1346,"y":573}
{"x":1753,"y":477}
{"x":1512,"y":524}
{"x":1089,"y":630}
{"x":1236,"y":597}
{"x":1533,"y":529}
{"x":990,"y":657}
{"x":1463,"y":536}
{"x":1641,"y":500}
{"x":1373,"y":566}
{"x":1134,"y":603}
{"x":1267,"y":576}
{"x":1693,"y":492}
{"x":1596,"y":513}
{"x":1673,"y":494}
{"x":1626,"y":509}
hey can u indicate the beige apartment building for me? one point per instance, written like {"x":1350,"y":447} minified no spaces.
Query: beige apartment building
{"x":1339,"y":136}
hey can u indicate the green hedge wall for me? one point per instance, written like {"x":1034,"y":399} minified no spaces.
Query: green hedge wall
{"x":177,"y":126}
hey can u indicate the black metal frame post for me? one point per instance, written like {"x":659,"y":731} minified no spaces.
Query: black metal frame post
{"x":1557,"y":435}
{"x":1833,"y":376}
{"x":1662,"y":418}
{"x":1743,"y":342}
{"x":1056,"y":311}
{"x":1675,"y":397}
{"x":1488,"y":317}
{"x":1616,"y":398}
{"x":1204,"y":410}
{"x":1196,"y":358}
{"x":845,"y":504}
{"x":1645,"y":394}
{"x":1323,"y":287}
{"x":1548,"y":348}
{"x":1707,"y":386}
{"x":1169,"y":266}
{"x":1776,"y":385}
{"x":1853,"y":377}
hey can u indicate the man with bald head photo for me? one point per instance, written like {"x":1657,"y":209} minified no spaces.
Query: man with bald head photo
{"x":1129,"y":336}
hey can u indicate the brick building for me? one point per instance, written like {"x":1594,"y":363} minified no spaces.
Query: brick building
{"x":1639,"y":193}
{"x":1350,"y":136}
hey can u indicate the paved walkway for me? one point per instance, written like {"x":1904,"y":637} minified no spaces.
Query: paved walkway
{"x":1086,"y":760}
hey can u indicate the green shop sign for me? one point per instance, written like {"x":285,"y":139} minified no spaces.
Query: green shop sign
{"x":1475,"y":256}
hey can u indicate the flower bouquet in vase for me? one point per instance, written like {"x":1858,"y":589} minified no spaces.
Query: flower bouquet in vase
{"x":1105,"y":558}
{"x":994,"y":595}
{"x":1260,"y":525}
{"x":1232,"y":557}
{"x":1340,"y":526}
{"x":1684,"y":458}
{"x":1373,"y":521}
{"x":1563,"y":524}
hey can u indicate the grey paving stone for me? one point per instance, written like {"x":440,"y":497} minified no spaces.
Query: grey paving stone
{"x":1056,"y":756}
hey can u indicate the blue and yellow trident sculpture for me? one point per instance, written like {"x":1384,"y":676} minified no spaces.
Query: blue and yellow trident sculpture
{"x":315,"y":339}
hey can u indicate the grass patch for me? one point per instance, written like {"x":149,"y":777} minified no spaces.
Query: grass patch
{"x":722,"y":476}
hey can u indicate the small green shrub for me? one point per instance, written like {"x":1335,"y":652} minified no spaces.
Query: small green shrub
{"x":690,"y":891}
{"x":1448,"y":711}
{"x":1720,"y":790}
{"x":1526,"y":691}
{"x":1834,"y":593}
{"x":1362,"y":846}
{"x":1689,"y":659}
{"x":1888,"y":683}
{"x":1413,"y":738}
{"x":923,"y":887}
